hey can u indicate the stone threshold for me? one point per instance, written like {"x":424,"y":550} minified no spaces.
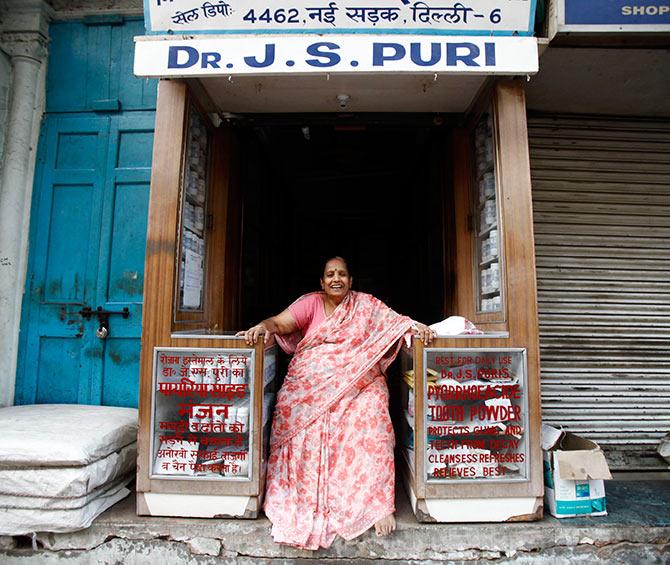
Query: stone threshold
{"x":637,"y":530}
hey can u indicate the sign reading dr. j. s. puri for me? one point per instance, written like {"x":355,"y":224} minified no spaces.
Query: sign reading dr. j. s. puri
{"x":269,"y":55}
{"x":469,"y":17}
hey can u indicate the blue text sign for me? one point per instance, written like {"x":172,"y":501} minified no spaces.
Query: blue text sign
{"x":613,"y":15}
{"x":268,"y":55}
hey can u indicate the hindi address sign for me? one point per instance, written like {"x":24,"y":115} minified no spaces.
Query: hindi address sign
{"x":490,"y":17}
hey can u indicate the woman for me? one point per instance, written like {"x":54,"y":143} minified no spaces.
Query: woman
{"x":330,"y":469}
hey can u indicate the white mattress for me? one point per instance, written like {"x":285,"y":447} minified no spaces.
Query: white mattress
{"x":52,"y":435}
{"x":68,"y":482}
{"x":25,"y":521}
{"x":49,"y":503}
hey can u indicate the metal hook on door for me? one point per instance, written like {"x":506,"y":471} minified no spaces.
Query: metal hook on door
{"x":103,"y":317}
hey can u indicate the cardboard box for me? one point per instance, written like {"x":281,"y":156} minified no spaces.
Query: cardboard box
{"x":574,"y":470}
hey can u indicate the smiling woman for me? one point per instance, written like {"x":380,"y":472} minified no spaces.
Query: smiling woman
{"x":330,"y":469}
{"x":335,"y":283}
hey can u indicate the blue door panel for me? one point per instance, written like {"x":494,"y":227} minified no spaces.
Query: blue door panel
{"x":99,"y":43}
{"x":123,"y":239}
{"x":91,"y":68}
{"x":121,"y":369}
{"x":65,"y":274}
{"x":66,"y":72}
{"x":63,"y":259}
{"x":87,"y":250}
{"x":136,"y":93}
{"x":125,"y":281}
{"x":56,"y":384}
{"x":135,"y":145}
{"x":59,"y":320}
{"x":121,"y":260}
{"x":77,"y":150}
{"x":88,"y":220}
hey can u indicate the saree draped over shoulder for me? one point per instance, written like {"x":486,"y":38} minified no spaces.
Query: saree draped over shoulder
{"x":330,"y":469}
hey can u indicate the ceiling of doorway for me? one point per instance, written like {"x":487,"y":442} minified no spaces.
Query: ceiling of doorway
{"x":365,"y":93}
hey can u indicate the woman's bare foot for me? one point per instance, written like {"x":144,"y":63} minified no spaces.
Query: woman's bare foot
{"x":385,"y":526}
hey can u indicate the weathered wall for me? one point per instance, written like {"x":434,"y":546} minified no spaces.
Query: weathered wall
{"x":79,"y":8}
{"x":23,"y":40}
{"x":5,"y":84}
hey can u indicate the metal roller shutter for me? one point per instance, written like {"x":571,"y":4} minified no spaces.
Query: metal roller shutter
{"x":601,"y":197}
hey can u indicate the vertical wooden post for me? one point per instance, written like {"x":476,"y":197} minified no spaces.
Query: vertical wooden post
{"x":419,"y":421}
{"x":159,"y":266}
{"x":519,"y":249}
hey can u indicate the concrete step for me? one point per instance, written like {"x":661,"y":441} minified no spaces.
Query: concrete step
{"x":637,"y":530}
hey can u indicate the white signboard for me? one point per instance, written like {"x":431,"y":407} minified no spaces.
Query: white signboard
{"x":469,"y":17}
{"x":271,"y":55}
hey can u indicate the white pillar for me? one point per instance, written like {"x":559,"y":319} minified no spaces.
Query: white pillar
{"x":27,"y":49}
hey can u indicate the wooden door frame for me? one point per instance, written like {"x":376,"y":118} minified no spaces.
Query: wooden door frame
{"x":159,"y":327}
{"x":519,"y":278}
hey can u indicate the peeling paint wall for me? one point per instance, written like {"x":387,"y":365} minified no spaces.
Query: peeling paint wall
{"x":5,"y":84}
{"x":24,"y":25}
{"x":67,"y":9}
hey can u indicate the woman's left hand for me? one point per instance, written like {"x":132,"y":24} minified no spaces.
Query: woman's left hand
{"x":424,"y":333}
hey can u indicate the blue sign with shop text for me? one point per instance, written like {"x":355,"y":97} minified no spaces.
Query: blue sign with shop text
{"x":616,"y":13}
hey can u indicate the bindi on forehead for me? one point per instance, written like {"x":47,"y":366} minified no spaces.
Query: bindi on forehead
{"x":332,"y":270}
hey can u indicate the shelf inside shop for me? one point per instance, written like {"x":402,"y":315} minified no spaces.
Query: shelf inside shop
{"x":490,"y":292}
{"x":488,"y":260}
{"x":199,"y":233}
{"x":488,"y":169}
{"x":483,"y":202}
{"x":488,"y":229}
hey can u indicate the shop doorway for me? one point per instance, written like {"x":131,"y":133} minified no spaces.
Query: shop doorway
{"x":371,"y":189}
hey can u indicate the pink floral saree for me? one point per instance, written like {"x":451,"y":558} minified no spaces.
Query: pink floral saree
{"x":330,"y":469}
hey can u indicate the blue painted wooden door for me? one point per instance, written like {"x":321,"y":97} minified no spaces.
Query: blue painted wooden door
{"x":88,"y":234}
{"x":88,"y":219}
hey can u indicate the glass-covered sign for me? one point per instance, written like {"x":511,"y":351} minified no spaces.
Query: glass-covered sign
{"x":492,"y":17}
{"x":202,"y":413}
{"x":475,"y":414}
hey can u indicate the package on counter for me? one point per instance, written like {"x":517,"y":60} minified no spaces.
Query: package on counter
{"x":574,"y":471}
{"x":455,"y":325}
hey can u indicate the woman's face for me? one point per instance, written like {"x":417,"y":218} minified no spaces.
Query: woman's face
{"x":336,"y":281}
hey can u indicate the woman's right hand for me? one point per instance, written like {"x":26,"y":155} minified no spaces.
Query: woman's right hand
{"x":253,"y":333}
{"x":282,"y":323}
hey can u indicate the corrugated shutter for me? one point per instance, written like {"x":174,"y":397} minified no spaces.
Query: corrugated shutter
{"x":601,"y":197}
